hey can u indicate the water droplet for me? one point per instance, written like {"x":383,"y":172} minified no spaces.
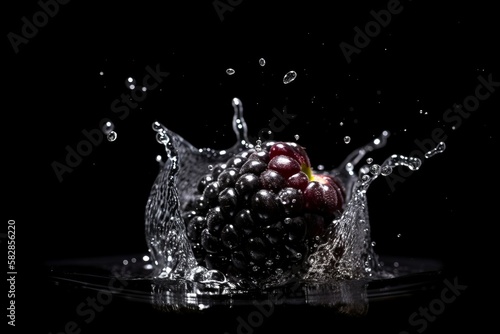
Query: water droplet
{"x":375,"y":169}
{"x":158,"y":158}
{"x":161,"y":137}
{"x":347,"y":139}
{"x":289,"y":77}
{"x":341,"y":123}
{"x":230,"y":71}
{"x":101,"y":73}
{"x":125,"y":262}
{"x":258,"y":144}
{"x":396,"y":264}
{"x":112,"y":136}
{"x":438,"y":149}
{"x":262,"y":62}
{"x":297,"y":137}
{"x":321,"y":167}
{"x":156,"y":126}
{"x":365,"y":178}
{"x":108,"y":127}
{"x":255,"y":268}
{"x":374,"y":243}
{"x":399,"y":235}
{"x":210,"y":167}
{"x":279,"y":271}
{"x":386,"y":170}
{"x":369,"y":160}
{"x":130,"y":83}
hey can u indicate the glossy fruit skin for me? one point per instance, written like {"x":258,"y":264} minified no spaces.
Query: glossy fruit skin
{"x":262,"y":212}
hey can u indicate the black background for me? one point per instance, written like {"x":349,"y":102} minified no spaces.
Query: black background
{"x":427,"y":58}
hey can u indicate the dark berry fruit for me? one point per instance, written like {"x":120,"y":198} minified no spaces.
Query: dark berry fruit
{"x":247,"y":185}
{"x":265,"y":206}
{"x":228,"y":177}
{"x":272,"y":180}
{"x":284,"y":165}
{"x":262,"y":212}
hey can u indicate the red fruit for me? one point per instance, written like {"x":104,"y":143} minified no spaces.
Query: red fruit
{"x":291,"y":150}
{"x":334,"y":182}
{"x":322,"y":193}
{"x":298,"y":181}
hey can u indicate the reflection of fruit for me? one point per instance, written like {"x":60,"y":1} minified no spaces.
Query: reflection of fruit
{"x":262,"y":212}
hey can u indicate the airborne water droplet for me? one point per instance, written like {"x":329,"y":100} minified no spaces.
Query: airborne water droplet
{"x":375,"y":169}
{"x":112,"y":136}
{"x":297,"y":137}
{"x":369,"y":160}
{"x":108,"y":127}
{"x":386,"y":170}
{"x":130,"y":83}
{"x":289,"y":77}
{"x":347,"y":139}
{"x":262,"y":62}
{"x":438,"y":149}
{"x":156,"y":126}
{"x":230,"y":71}
{"x":258,"y":144}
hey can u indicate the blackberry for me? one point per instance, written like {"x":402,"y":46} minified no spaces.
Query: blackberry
{"x":262,"y":212}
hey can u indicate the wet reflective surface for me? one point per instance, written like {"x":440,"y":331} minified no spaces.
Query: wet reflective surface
{"x":131,"y":278}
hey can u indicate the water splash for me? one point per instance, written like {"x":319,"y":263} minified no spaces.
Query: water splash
{"x":165,"y":228}
{"x":438,"y":149}
{"x":347,"y":252}
{"x":174,"y":188}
